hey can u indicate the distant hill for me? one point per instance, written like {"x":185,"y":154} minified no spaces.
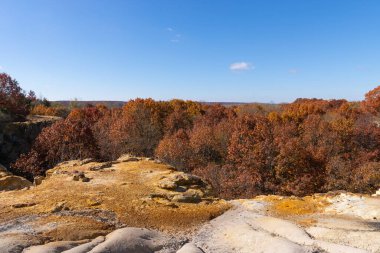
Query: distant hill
{"x":110,"y":104}
{"x":118,"y":104}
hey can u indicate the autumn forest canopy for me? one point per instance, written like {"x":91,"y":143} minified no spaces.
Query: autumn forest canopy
{"x":307,"y":146}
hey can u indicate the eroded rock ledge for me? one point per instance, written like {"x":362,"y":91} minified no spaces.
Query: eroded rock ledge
{"x":9,"y":182}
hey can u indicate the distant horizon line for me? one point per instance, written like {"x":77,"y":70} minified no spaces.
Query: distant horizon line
{"x":202,"y":102}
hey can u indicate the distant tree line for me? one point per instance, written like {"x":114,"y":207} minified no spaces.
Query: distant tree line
{"x":308,"y":146}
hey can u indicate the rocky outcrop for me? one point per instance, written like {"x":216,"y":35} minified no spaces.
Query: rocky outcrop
{"x":10,"y":182}
{"x":144,"y":206}
{"x":17,"y":137}
{"x":181,"y":187}
{"x":128,"y":158}
{"x":377,"y":193}
{"x":113,"y":197}
{"x":275,"y":224}
{"x":266,"y":224}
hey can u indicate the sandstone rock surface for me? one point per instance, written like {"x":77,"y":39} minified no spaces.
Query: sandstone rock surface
{"x":190,"y":248}
{"x":136,"y":240}
{"x":62,"y":209}
{"x":54,"y":247}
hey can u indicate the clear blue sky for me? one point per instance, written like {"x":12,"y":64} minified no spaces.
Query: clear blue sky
{"x":215,"y":50}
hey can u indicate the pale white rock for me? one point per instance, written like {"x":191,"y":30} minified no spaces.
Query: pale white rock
{"x":234,"y":232}
{"x":355,"y":205}
{"x":190,"y":248}
{"x":377,"y":193}
{"x":283,"y":228}
{"x":336,"y":248}
{"x":54,"y":247}
{"x":84,"y":248}
{"x":365,"y":240}
{"x":132,"y":240}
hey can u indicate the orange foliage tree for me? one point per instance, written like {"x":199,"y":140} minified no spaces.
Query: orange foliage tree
{"x":372,"y":100}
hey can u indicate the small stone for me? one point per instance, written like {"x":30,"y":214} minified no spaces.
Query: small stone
{"x":157,"y":195}
{"x":76,"y":177}
{"x":376,"y":194}
{"x":93,"y":202}
{"x":38,"y":180}
{"x":22,"y":205}
{"x":100,"y":166}
{"x":59,"y":207}
{"x":85,"y":179}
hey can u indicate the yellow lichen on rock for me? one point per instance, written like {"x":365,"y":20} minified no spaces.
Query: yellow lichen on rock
{"x":287,"y":206}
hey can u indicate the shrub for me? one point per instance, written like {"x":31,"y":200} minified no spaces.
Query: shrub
{"x":58,"y":111}
{"x":366,"y":178}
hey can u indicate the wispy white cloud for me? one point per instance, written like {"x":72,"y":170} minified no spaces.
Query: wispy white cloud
{"x":1,"y":67}
{"x":241,"y":66}
{"x":175,"y":38}
{"x":293,"y":71}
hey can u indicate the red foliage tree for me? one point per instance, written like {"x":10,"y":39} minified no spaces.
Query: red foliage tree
{"x":13,"y":100}
{"x":252,"y":151}
{"x":175,"y":150}
{"x":67,"y":139}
